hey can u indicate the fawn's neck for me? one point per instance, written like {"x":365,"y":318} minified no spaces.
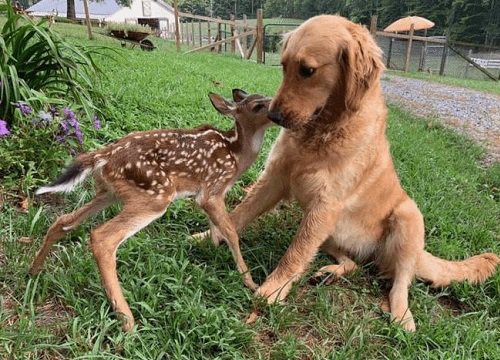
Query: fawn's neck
{"x":245,"y":144}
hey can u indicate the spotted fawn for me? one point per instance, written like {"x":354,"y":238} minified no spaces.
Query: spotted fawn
{"x":148,"y":170}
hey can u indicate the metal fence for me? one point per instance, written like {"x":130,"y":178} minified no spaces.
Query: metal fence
{"x":449,"y":59}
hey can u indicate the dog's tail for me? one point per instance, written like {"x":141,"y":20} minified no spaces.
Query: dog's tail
{"x":74,"y":174}
{"x":440,"y":272}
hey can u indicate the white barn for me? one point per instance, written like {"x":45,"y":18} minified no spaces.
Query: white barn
{"x":156,"y":13}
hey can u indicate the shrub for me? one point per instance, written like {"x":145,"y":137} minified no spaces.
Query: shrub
{"x":111,"y":26}
{"x":38,"y":67}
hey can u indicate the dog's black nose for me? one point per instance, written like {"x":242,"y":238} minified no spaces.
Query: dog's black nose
{"x":276,"y":116}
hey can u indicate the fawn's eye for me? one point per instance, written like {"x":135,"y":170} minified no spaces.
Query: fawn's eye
{"x":257,"y":108}
{"x":306,"y":71}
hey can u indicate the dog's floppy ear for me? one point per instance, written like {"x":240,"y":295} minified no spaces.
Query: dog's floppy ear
{"x":362,"y":64}
{"x":284,"y":40}
{"x":221,"y":105}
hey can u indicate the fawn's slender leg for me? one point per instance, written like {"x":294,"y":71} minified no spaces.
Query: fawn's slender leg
{"x":105,"y":241}
{"x":215,"y":209}
{"x":67,"y":222}
{"x":263,"y":196}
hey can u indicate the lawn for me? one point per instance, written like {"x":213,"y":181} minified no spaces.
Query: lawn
{"x":188,"y":298}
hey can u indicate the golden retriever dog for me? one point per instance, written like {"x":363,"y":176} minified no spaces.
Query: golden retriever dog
{"x":333,"y":157}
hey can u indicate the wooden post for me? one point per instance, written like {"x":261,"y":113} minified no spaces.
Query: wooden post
{"x":177,"y":34}
{"x":219,"y":37}
{"x":209,"y":32}
{"x":245,"y":29}
{"x":373,"y":25}
{"x":188,"y":35}
{"x":87,"y":18}
{"x":443,"y":57}
{"x":225,"y":36}
{"x":467,"y":64}
{"x":192,"y":32}
{"x":233,"y":43}
{"x":423,"y":51}
{"x":260,"y":37}
{"x":199,"y":31}
{"x":408,"y":49}
{"x":388,"y":65}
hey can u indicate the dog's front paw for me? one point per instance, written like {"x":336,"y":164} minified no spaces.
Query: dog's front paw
{"x":274,"y":291}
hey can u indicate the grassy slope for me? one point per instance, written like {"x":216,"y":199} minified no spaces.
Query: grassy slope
{"x":481,"y":85}
{"x":188,"y":298}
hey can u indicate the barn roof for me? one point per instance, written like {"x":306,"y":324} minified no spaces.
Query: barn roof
{"x":105,"y":7}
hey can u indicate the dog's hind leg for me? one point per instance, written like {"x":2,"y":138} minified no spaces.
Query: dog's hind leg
{"x":345,"y":264}
{"x":398,"y":258}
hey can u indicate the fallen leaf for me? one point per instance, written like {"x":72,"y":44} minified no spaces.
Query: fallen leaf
{"x":23,"y":205}
{"x":25,"y":239}
{"x":218,"y":83}
{"x":252,"y":317}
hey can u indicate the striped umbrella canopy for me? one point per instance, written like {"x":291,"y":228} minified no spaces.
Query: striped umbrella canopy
{"x":404,"y":24}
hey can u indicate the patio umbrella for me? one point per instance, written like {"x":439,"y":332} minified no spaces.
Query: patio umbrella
{"x":404,"y":24}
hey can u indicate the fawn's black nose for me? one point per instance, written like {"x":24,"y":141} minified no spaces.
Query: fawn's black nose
{"x":277,"y":117}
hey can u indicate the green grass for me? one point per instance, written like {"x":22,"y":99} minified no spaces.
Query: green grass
{"x":188,"y":298}
{"x":481,"y":85}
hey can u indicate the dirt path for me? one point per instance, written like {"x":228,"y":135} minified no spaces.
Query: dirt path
{"x":473,"y":113}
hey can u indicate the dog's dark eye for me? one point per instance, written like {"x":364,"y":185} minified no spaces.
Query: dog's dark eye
{"x":257,"y":108}
{"x":306,"y":71}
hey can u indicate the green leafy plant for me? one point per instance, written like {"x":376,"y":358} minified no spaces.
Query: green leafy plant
{"x":128,"y":28}
{"x":38,"y":67}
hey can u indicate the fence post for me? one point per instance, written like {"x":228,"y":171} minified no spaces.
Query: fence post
{"x":443,"y":58}
{"x":192,"y":31}
{"x":177,"y":34}
{"x":389,"y":52}
{"x":260,"y":36}
{"x":87,"y":18}
{"x":245,"y":29}
{"x":199,"y":33}
{"x":373,"y":25}
{"x":232,"y":27}
{"x":408,"y":49}
{"x":219,"y":36}
{"x":423,"y":52}
{"x":209,"y":32}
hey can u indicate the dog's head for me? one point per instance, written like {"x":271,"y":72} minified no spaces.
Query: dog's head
{"x":327,"y":61}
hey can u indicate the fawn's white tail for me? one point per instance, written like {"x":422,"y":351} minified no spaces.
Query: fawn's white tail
{"x":71,"y":177}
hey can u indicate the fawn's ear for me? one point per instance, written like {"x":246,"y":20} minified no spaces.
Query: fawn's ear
{"x":221,"y":105}
{"x":239,"y":95}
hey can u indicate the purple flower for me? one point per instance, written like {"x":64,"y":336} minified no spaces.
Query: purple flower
{"x":97,"y":122}
{"x":64,"y":127}
{"x":60,"y":139}
{"x":79,"y":135}
{"x":68,"y":114}
{"x":3,"y":128}
{"x":53,"y":110}
{"x":44,"y":116}
{"x":25,"y":109}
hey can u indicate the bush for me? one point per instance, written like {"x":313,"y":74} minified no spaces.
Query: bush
{"x":111,"y":26}
{"x":37,"y":67}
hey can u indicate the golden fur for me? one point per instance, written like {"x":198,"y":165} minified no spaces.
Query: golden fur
{"x":332,"y":156}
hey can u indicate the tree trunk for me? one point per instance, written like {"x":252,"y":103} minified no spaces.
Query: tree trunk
{"x":70,"y":9}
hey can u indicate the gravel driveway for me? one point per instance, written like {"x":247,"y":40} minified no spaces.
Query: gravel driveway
{"x":473,"y":113}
